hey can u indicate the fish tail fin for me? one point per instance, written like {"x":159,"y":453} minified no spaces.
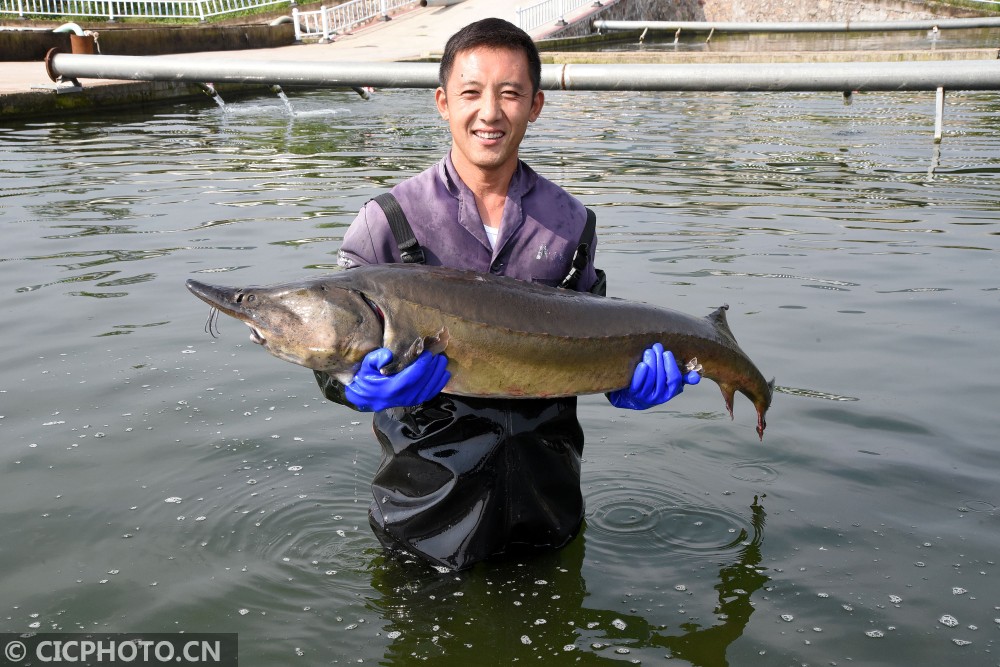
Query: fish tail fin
{"x":762,"y":405}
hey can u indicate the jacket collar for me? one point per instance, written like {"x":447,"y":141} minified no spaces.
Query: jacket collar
{"x":521,"y":183}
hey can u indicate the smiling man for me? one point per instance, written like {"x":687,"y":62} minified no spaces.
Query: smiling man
{"x":465,"y":479}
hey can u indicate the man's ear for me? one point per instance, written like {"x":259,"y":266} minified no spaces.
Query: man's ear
{"x":536,"y":106}
{"x":441,"y":99}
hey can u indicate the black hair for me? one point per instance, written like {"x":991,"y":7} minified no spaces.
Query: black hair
{"x":492,"y":33}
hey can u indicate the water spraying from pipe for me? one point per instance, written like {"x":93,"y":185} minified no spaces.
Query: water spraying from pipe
{"x":214,"y":94}
{"x":276,"y":89}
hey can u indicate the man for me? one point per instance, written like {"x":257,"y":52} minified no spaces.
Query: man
{"x":465,"y":479}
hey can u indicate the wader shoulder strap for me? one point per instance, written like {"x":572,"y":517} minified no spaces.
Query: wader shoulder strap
{"x":409,"y":249}
{"x":582,"y":257}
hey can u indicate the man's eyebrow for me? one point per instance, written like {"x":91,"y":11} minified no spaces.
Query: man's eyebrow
{"x":512,"y":84}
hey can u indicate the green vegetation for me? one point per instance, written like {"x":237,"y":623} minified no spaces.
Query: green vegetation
{"x":984,"y":8}
{"x":255,"y":15}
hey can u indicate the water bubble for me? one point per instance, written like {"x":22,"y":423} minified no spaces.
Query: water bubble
{"x":680,"y":587}
{"x":822,"y":595}
{"x":569,"y":647}
{"x":875,"y":634}
{"x":619,"y":623}
{"x":173,"y":499}
{"x":395,"y":634}
{"x":948,"y":620}
{"x":244,"y":612}
{"x":961,"y":642}
{"x":622,"y":651}
{"x":526,"y":640}
{"x":958,"y":590}
{"x":294,"y":468}
{"x":895,"y":599}
{"x":787,"y":618}
{"x":540,"y":621}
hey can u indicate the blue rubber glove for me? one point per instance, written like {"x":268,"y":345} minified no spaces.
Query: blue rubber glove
{"x":420,"y":381}
{"x":656,"y":380}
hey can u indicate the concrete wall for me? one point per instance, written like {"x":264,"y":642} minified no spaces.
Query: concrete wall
{"x":630,"y":10}
{"x":25,"y":45}
{"x":826,"y":10}
{"x":755,"y":11}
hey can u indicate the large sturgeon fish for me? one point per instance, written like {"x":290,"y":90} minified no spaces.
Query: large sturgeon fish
{"x":504,"y":338}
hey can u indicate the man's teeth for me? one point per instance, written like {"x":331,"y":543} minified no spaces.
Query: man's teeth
{"x":489,"y":135}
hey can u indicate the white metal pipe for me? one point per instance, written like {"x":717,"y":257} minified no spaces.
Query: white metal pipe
{"x":70,"y":27}
{"x":759,"y":77}
{"x":844,"y":76}
{"x":801,"y":26}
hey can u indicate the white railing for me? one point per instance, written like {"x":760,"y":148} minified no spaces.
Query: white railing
{"x":327,"y":21}
{"x":547,"y":11}
{"x":143,"y":9}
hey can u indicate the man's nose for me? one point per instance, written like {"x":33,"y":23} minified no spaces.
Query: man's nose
{"x":489,"y":109}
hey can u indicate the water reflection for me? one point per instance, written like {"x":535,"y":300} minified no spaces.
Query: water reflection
{"x":505,"y":613}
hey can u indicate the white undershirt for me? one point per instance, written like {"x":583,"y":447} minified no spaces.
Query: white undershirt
{"x":491,"y":234}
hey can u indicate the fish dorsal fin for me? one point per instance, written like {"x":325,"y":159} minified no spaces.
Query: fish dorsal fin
{"x":718,"y":320}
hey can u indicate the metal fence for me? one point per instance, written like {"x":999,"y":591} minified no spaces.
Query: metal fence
{"x":140,"y":9}
{"x":325,"y":22}
{"x":547,"y":11}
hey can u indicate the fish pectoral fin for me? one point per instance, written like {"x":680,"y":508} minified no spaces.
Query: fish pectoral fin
{"x":434,"y":344}
{"x":438,"y":342}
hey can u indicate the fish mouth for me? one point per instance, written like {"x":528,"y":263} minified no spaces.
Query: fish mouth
{"x":256,"y":336}
{"x":224,"y":300}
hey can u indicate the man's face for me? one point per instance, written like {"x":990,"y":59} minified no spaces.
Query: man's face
{"x":488,"y":103}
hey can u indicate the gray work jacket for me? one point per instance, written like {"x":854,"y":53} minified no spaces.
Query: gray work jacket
{"x":539,"y":232}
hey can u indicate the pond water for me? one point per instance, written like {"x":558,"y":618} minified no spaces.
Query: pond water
{"x":157,"y":479}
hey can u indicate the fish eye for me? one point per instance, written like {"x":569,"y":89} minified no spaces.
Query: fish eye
{"x":251,"y":297}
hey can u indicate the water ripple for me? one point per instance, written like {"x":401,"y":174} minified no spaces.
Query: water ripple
{"x":653,"y":517}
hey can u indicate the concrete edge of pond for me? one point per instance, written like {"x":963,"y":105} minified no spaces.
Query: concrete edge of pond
{"x":39,"y":97}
